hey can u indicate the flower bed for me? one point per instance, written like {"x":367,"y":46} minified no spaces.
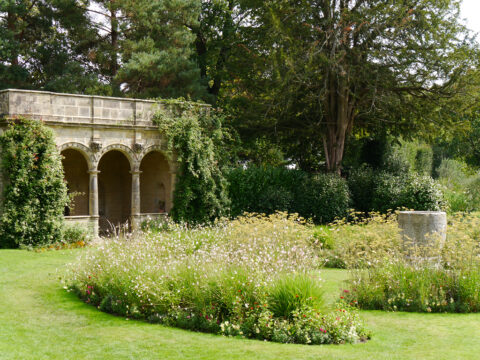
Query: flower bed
{"x":250,"y":277}
{"x":388,"y":275}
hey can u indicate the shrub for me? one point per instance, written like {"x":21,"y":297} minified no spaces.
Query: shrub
{"x":422,"y":193}
{"x":461,"y":186}
{"x":452,"y":172}
{"x":424,"y":160}
{"x":238,"y":278}
{"x":76,"y":234}
{"x":321,"y":198}
{"x":384,"y":191}
{"x":195,"y":135}
{"x":361,"y":182}
{"x":35,"y":193}
{"x":473,"y":193}
{"x":398,"y":161}
{"x":263,"y":189}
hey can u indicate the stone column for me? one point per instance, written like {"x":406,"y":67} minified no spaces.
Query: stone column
{"x":173,"y":179}
{"x":135,"y":198}
{"x":93,"y":200}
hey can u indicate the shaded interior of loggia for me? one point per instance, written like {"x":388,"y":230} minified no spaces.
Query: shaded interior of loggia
{"x":115,"y":187}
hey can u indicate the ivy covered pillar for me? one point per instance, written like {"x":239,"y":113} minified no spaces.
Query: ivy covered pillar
{"x":93,"y":201}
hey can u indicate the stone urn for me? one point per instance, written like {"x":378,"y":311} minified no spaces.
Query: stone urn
{"x":423,"y":228}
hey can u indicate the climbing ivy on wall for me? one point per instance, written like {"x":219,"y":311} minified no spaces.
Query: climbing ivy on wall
{"x":35,"y":193}
{"x":194,"y":134}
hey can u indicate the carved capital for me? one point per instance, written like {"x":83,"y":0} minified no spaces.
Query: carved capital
{"x":138,"y":148}
{"x":96,"y":146}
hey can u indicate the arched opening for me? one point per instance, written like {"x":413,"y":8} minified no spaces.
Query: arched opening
{"x":75,"y":168}
{"x":154,"y":184}
{"x":114,"y":190}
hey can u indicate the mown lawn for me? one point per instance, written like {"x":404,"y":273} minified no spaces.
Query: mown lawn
{"x":39,"y":320}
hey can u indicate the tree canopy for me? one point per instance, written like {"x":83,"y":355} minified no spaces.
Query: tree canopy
{"x":332,"y":67}
{"x":298,"y":77}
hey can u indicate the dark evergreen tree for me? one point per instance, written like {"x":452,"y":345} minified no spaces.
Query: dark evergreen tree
{"x":39,"y":47}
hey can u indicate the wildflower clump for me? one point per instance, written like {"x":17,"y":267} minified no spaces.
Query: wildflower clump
{"x":422,"y":279}
{"x":253,"y":277}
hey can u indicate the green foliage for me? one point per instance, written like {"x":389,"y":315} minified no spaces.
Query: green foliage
{"x":400,"y":286}
{"x":410,"y":191}
{"x":35,"y":194}
{"x":40,"y":46}
{"x":292,"y":292}
{"x":463,"y":143}
{"x":157,"y":48}
{"x":321,"y":198}
{"x":263,"y":189}
{"x":461,"y":185}
{"x":382,"y":191}
{"x":361,"y":181}
{"x":424,"y":161}
{"x":249,"y":277}
{"x":194,"y":134}
{"x":311,"y":59}
{"x":75,"y":234}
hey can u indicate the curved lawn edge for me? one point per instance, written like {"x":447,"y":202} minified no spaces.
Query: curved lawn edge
{"x":39,"y":320}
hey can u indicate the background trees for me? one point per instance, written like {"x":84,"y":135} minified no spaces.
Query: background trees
{"x":333,"y":68}
{"x":298,"y":78}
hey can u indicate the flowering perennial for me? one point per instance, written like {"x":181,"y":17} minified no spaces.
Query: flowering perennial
{"x":251,"y":277}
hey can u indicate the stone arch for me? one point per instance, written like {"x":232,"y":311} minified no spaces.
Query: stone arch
{"x":155,"y":181}
{"x":114,"y":187}
{"x":125,"y":150}
{"x":76,"y":168}
{"x":158,"y":148}
{"x":83,"y":149}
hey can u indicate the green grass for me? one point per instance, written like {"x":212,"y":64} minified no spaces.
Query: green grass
{"x":39,"y":320}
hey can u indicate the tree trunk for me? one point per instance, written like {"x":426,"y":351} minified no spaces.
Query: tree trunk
{"x":339,"y":120}
{"x":114,"y":44}
{"x":11,"y":24}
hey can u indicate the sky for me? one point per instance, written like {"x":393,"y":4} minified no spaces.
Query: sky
{"x":471,"y":12}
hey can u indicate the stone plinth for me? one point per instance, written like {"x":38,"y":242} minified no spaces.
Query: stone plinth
{"x":423,"y":228}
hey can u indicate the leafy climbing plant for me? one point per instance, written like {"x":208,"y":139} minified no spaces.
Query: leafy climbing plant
{"x":195,"y":134}
{"x":35,"y":193}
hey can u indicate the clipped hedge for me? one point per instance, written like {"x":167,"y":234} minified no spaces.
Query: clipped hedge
{"x":382,"y":191}
{"x":320,"y":197}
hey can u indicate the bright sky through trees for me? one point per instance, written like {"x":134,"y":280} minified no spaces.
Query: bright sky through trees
{"x":471,"y":12}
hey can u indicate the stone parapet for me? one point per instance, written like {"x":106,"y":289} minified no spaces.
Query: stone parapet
{"x":78,"y":109}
